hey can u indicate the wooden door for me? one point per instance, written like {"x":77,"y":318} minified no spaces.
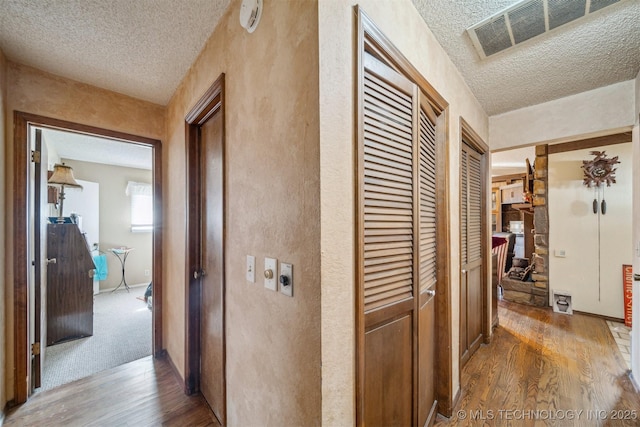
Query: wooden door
{"x":212,"y":356}
{"x":471,"y":277}
{"x":396,"y":225}
{"x":69,"y":284}
{"x":427,"y":245}
{"x":39,"y":259}
{"x":387,"y":221}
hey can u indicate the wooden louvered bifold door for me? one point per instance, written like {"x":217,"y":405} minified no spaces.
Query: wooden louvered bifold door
{"x":397,"y":229}
{"x":471,"y":281}
{"x":387,"y":205}
{"x":427,"y":159}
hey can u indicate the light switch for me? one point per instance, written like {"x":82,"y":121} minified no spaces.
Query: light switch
{"x":560,"y":253}
{"x":270,"y":274}
{"x":286,"y":279}
{"x":251,"y":268}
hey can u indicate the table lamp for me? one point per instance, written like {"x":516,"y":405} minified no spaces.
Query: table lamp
{"x":63,"y":176}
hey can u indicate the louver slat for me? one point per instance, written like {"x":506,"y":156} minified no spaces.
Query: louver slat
{"x":427,"y":196}
{"x":475,"y":208}
{"x":464,"y":207}
{"x":388,"y":191}
{"x":471,"y":209}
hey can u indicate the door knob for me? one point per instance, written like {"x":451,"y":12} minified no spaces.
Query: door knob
{"x":197,"y":274}
{"x":464,"y":271}
{"x":431,"y":293}
{"x":51,"y":261}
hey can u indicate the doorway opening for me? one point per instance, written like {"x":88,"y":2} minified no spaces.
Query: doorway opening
{"x":53,"y":233}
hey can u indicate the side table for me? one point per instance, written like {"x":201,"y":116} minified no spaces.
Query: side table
{"x":122,"y":254}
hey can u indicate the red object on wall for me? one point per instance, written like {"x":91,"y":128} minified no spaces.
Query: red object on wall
{"x":627,"y":283}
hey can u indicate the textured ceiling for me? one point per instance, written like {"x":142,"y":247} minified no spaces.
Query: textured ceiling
{"x":75,"y":146}
{"x":142,"y":48}
{"x":599,"y":50}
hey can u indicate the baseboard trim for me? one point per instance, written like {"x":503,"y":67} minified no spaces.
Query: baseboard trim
{"x":137,"y":285}
{"x":609,"y":318}
{"x":164,"y":355}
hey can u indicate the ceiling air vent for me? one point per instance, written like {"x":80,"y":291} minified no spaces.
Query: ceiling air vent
{"x":527,"y":19}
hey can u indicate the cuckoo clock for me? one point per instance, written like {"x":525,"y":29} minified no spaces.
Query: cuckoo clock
{"x":599,"y":170}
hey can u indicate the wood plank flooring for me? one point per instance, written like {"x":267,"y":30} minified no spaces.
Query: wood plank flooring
{"x":540,"y":366}
{"x":145,"y":392}
{"x":545,"y":368}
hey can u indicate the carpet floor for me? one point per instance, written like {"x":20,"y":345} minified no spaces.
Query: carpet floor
{"x":121,"y":334}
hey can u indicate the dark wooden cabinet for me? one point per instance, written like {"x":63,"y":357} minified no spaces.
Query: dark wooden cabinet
{"x":69,"y":284}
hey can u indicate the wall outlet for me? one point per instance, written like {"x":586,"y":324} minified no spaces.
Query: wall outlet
{"x":147,"y":273}
{"x":560,"y":253}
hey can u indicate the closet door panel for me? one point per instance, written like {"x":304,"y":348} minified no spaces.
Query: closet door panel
{"x":387,"y":230}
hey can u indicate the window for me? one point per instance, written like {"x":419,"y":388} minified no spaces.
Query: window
{"x":141,"y":206}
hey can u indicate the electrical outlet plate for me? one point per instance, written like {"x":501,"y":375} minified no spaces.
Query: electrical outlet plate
{"x":271,"y":264}
{"x":251,"y":268}
{"x":286,"y":270}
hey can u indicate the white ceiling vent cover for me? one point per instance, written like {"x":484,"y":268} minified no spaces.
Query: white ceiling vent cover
{"x":527,"y":19}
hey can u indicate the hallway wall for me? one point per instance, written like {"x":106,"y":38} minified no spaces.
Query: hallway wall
{"x":272,"y":195}
{"x":401,"y":23}
{"x":33,"y":91}
{"x":3,"y":247}
{"x":635,"y":334}
{"x":597,"y":112}
{"x":596,"y":246}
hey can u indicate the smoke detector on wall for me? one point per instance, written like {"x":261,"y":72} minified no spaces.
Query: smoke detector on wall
{"x":250,"y":13}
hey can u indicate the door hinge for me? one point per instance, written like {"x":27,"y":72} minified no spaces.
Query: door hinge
{"x":35,"y":349}
{"x":35,"y":156}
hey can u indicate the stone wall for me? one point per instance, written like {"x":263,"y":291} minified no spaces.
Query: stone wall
{"x":535,"y":292}
{"x":540,"y":274}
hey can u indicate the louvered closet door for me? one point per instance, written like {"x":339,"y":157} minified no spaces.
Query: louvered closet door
{"x":471,"y":281}
{"x":387,"y":228}
{"x":427,"y":263}
{"x":397,"y":249}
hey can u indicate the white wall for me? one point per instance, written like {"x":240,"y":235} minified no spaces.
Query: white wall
{"x":596,"y":246}
{"x":588,"y":114}
{"x":635,"y":334}
{"x":115,"y":220}
{"x":86,"y":204}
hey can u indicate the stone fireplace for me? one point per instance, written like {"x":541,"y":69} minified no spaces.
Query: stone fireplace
{"x":536,"y":291}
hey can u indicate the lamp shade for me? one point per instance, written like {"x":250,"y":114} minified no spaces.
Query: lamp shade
{"x":63,"y":175}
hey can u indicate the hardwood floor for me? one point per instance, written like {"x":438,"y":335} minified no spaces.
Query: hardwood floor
{"x":545,"y":368}
{"x":542,"y":368}
{"x":141,"y":393}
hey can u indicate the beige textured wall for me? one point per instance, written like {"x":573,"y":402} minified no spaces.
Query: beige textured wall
{"x":400,"y":22}
{"x":115,"y":220}
{"x":272,"y":177}
{"x":3,"y":222}
{"x":34,"y":91}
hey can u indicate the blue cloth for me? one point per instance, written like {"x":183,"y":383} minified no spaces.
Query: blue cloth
{"x":101,"y":267}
